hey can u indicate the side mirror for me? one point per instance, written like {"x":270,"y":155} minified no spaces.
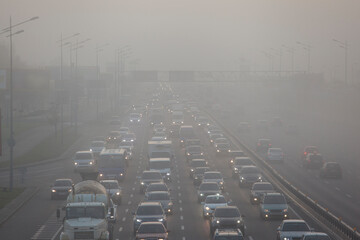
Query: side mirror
{"x":230,"y":202}
{"x":58,"y":213}
{"x":112,"y":211}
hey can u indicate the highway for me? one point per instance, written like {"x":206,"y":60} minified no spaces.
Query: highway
{"x":38,"y":215}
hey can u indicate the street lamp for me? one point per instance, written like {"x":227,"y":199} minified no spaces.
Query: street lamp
{"x":307,"y":47}
{"x":62,"y":44}
{"x":11,"y":140}
{"x":345,"y":46}
{"x":270,"y":57}
{"x":292,"y":52}
{"x":98,"y":50}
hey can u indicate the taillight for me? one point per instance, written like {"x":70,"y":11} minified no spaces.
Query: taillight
{"x":269,"y":144}
{"x":305,"y":153}
{"x":259,"y":144}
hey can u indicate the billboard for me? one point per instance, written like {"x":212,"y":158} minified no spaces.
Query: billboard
{"x":2,"y":79}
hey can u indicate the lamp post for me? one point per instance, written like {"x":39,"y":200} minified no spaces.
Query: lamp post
{"x":11,"y":140}
{"x":98,"y":50}
{"x":307,"y":47}
{"x":345,"y":46}
{"x":292,"y":52}
{"x":270,"y":57}
{"x":62,"y":44}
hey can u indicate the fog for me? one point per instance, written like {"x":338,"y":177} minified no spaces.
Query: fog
{"x":192,"y":35}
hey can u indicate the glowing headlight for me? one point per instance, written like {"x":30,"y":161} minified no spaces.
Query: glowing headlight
{"x":201,"y":154}
{"x":221,"y":183}
{"x":160,"y":219}
{"x":121,"y":174}
{"x":242,"y":178}
{"x":238,"y":221}
{"x":201,"y":194}
{"x":235,"y":169}
{"x":218,"y":150}
{"x":53,"y":190}
{"x":118,"y":193}
{"x":255,"y":199}
{"x":207,"y":208}
{"x":70,"y":190}
{"x":191,"y":170}
{"x":188,"y":154}
{"x":217,"y":221}
{"x":232,"y":161}
{"x":91,"y":149}
{"x":173,"y":122}
{"x":138,"y":220}
{"x":199,"y":124}
{"x":142,"y":183}
{"x":91,"y":163}
{"x":229,"y":150}
{"x":101,"y":174}
{"x":168,"y":174}
{"x":75,"y":163}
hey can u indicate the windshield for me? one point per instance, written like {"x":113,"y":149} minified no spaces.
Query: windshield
{"x":212,"y":176}
{"x":194,"y":149}
{"x":134,"y":115}
{"x":159,"y":196}
{"x":126,"y":144}
{"x":177,"y":116}
{"x":111,"y":161}
{"x":250,"y":170}
{"x":198,"y":164}
{"x":243,"y":162}
{"x":275,"y":151}
{"x":215,"y":199}
{"x":187,"y":132}
{"x":201,"y":170}
{"x":262,"y":186}
{"x":210,"y":186}
{"x":149,"y":210}
{"x":159,"y":164}
{"x":83,"y":156}
{"x":151,"y":228}
{"x":227,"y":212}
{"x":82,"y":212}
{"x":317,"y":237}
{"x":295,"y":227}
{"x":160,"y":155}
{"x":157,"y":187}
{"x":98,"y":144}
{"x":151,"y":175}
{"x":62,"y":183}
{"x":274,"y":199}
{"x":110,"y":185}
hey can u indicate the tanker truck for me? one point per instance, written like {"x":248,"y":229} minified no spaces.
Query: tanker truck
{"x":89,"y":213}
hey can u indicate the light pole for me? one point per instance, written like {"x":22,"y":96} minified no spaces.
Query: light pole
{"x":62,"y":44}
{"x":279,"y":53}
{"x":270,"y":57}
{"x":11,"y":140}
{"x":121,"y":53}
{"x":307,"y":47}
{"x":345,"y":46}
{"x":292,"y":52}
{"x":98,"y":50}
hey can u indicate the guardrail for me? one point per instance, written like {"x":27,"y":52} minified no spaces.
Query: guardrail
{"x":333,"y":220}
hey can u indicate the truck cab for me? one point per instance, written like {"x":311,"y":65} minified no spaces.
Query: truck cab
{"x":112,"y":164}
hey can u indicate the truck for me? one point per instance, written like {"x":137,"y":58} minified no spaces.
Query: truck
{"x":89,"y":213}
{"x":112,"y":164}
{"x":163,"y":165}
{"x":160,"y":149}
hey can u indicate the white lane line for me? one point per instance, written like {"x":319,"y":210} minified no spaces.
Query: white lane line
{"x":180,"y":202}
{"x":123,"y":219}
{"x":183,"y":238}
{"x":120,"y":229}
{"x":297,"y":215}
{"x":178,"y":176}
{"x":178,"y":181}
{"x":179,"y":187}
{"x":250,"y":238}
{"x":337,"y":189}
{"x":129,"y":202}
{"x":133,"y":189}
{"x":182,"y":227}
{"x":326,"y":182}
{"x":180,"y":209}
{"x":181,"y":218}
{"x":126,"y":210}
{"x":348,"y":195}
{"x":131,"y":195}
{"x":179,"y":194}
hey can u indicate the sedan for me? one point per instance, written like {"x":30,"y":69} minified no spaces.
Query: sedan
{"x":292,"y":229}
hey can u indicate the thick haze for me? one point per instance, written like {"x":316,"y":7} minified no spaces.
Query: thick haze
{"x":189,"y":34}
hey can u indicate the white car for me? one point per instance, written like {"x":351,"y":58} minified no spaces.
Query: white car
{"x":275,"y":154}
{"x":84,"y":161}
{"x":316,"y":235}
{"x":214,"y":176}
{"x":292,"y":229}
{"x":135,"y":117}
{"x":211,"y":202}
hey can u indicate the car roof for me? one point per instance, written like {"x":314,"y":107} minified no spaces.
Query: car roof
{"x":273,"y":194}
{"x":109,"y":181}
{"x":159,"y":192}
{"x":64,"y":179}
{"x":315,"y":234}
{"x":149,"y":204}
{"x":274,"y":149}
{"x":294,"y":221}
{"x":227,"y":207}
{"x":83,"y":152}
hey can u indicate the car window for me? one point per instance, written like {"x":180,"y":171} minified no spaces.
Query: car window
{"x":215,"y":199}
{"x":149,"y":210}
{"x":151,"y":228}
{"x":212,"y":176}
{"x":295,"y":227}
{"x":274,"y":199}
{"x":206,"y":187}
{"x":227,"y":212}
{"x":262,"y":187}
{"x":159,"y":196}
{"x":62,"y":183}
{"x":151,"y":175}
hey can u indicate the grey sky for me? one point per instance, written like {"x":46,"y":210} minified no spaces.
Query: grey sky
{"x":197,"y":34}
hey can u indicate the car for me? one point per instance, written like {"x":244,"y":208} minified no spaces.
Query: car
{"x":211,"y":202}
{"x":196,"y":163}
{"x":96,"y":147}
{"x":212,"y":128}
{"x":194,"y":152}
{"x":186,"y":132}
{"x":192,"y":142}
{"x":258,"y":189}
{"x":228,"y":234}
{"x":113,"y":137}
{"x":128,"y":137}
{"x":158,"y":186}
{"x":202,"y":121}
{"x":233,"y":154}
{"x":177,"y":118}
{"x":84,"y":161}
{"x":162,"y":197}
{"x":292,"y":229}
{"x":199,"y":174}
{"x":135,"y":118}
{"x":315,"y":236}
{"x":263,"y":145}
{"x":206,"y":189}
{"x":114,"y":190}
{"x":214,"y":136}
{"x":151,"y":230}
{"x":159,"y":128}
{"x":239,"y":162}
{"x":156,"y":118}
{"x":163,"y":165}
{"x":220,"y":140}
{"x":148,"y":212}
{"x":276,"y":122}
{"x":124,"y":130}
{"x":61,"y":188}
{"x":331,"y":170}
{"x":174,"y":130}
{"x":214,"y":176}
{"x":313,"y":161}
{"x":248,"y":175}
{"x":148,"y":177}
{"x":129,"y":147}
{"x":275,"y":155}
{"x":307,"y":150}
{"x":273,"y":205}
{"x":222,"y":148}
{"x":161,"y":135}
{"x":244,"y":127}
{"x":227,"y":217}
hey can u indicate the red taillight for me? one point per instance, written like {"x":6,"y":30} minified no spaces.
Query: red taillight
{"x":269,"y":144}
{"x":305,"y":153}
{"x":259,"y":144}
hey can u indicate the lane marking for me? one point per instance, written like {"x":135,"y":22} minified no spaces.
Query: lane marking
{"x":348,"y":195}
{"x":180,"y":209}
{"x":131,"y":195}
{"x":180,"y":202}
{"x":183,"y":238}
{"x":337,"y":189}
{"x":123,"y":219}
{"x":182,"y":227}
{"x":126,"y":210}
{"x":297,"y":215}
{"x":133,"y":189}
{"x":120,"y":229}
{"x":181,"y":218}
{"x":250,"y":238}
{"x":179,"y":194}
{"x":179,"y":187}
{"x":129,"y":202}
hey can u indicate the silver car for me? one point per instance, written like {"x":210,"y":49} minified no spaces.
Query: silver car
{"x":163,"y":198}
{"x":214,"y":176}
{"x":258,"y":190}
{"x":211,"y":202}
{"x":292,"y":229}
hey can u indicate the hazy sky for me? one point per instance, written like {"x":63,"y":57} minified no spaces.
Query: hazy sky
{"x":190,"y":34}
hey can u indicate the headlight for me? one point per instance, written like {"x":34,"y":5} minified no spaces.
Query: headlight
{"x":232,"y":161}
{"x":101,"y":174}
{"x":121,"y":174}
{"x":131,"y":120}
{"x":91,"y":163}
{"x":207,"y":208}
{"x":238,"y":221}
{"x":255,"y":199}
{"x":160,"y":219}
{"x":217,"y":221}
{"x":168,"y":174}
{"x":221,"y":183}
{"x":201,"y":194}
{"x":91,"y":149}
{"x":191,"y":170}
{"x":229,"y":150}
{"x":70,"y":190}
{"x":188,"y":154}
{"x":242,"y":178}
{"x":260,"y":178}
{"x":173,"y":122}
{"x":218,"y":150}
{"x":75,"y":163}
{"x":138,"y":220}
{"x":118,"y":193}
{"x":142,"y":183}
{"x":53,"y":190}
{"x":235,"y":169}
{"x":138,"y":120}
{"x":201,"y":154}
{"x":199,"y":124}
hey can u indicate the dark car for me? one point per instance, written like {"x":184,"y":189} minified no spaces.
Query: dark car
{"x":227,"y":217}
{"x":239,"y":162}
{"x":307,"y":150}
{"x":313,"y":161}
{"x":248,"y":175}
{"x":61,"y":188}
{"x":206,"y":189}
{"x":199,"y":174}
{"x":193,"y":152}
{"x":222,"y":148}
{"x":258,"y":190}
{"x":234,"y":154}
{"x":331,"y":170}
{"x":148,"y":177}
{"x":196,"y":163}
{"x":151,"y":230}
{"x":263,"y":145}
{"x":149,"y":212}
